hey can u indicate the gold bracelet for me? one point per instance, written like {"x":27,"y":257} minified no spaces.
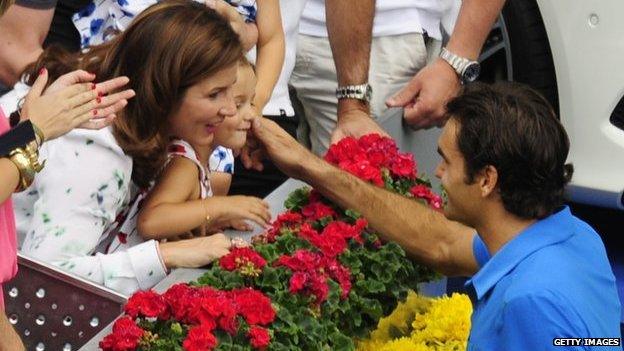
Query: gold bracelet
{"x":39,"y":134}
{"x":26,"y":161}
{"x":208,"y":218}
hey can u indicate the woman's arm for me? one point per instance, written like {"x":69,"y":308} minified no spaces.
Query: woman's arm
{"x":9,"y":178}
{"x":270,"y":50}
{"x":9,"y":341}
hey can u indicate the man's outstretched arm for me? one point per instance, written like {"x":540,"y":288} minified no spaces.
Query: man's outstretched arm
{"x":426,"y":235}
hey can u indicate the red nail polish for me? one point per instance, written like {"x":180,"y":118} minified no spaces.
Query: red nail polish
{"x":92,"y":86}
{"x":98,"y":99}
{"x":95,"y":112}
{"x":42,"y":71}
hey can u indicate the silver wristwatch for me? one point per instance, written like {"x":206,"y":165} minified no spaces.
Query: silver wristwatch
{"x":362,"y":92}
{"x":467,"y":70}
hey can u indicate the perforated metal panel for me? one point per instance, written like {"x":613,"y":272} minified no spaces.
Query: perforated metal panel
{"x":54,"y":310}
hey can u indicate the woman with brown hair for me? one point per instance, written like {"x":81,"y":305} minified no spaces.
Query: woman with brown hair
{"x":71,"y":217}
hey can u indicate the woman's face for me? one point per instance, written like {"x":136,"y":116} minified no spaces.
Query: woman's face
{"x":232,"y":133}
{"x":204,"y":107}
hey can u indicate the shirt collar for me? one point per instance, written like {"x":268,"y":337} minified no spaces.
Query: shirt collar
{"x":545,"y":232}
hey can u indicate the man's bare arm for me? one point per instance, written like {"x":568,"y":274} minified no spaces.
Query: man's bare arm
{"x":350,"y":30}
{"x":426,"y":235}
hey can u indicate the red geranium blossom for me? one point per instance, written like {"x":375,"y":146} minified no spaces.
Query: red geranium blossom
{"x":421,"y":191}
{"x":244,"y":259}
{"x":253,"y":305}
{"x":317,"y":210}
{"x":125,"y":336}
{"x":259,"y":337}
{"x":199,"y":338}
{"x":148,"y":304}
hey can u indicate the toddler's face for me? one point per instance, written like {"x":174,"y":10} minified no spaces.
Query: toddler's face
{"x":232,"y":133}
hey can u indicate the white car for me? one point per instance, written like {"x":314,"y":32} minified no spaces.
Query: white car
{"x":573,"y":52}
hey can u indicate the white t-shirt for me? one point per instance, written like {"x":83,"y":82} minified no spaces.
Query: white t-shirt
{"x":279,"y":103}
{"x":392,"y":17}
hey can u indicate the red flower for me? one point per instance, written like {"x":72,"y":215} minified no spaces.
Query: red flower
{"x":125,"y":336}
{"x":245,"y":259}
{"x":254,"y":306}
{"x":259,"y":337}
{"x":199,"y":339}
{"x":364,"y":170}
{"x":297,"y":282}
{"x":317,"y":210}
{"x":403,"y":165}
{"x":287,"y":218}
{"x":301,"y":260}
{"x":147,"y":304}
{"x":339,"y":273}
{"x":345,"y":149}
{"x":229,"y":324}
{"x":178,"y":298}
{"x":421,"y":191}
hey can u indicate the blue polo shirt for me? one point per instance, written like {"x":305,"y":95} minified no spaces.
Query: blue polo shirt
{"x":553,"y":280}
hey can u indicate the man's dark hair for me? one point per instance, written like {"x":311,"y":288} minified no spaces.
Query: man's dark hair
{"x":513,"y":128}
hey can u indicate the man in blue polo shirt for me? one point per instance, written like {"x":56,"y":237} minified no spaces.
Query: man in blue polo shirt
{"x":540,"y":276}
{"x":543,"y":273}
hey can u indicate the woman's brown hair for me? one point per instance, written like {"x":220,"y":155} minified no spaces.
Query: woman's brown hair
{"x":4,"y":5}
{"x":169,"y":47}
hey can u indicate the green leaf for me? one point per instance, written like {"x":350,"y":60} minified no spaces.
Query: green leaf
{"x":297,"y":199}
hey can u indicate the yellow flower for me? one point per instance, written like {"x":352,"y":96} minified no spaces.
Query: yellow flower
{"x":423,"y":324}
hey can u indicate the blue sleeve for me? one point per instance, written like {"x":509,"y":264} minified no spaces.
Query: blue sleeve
{"x":532,"y":321}
{"x":480,"y":251}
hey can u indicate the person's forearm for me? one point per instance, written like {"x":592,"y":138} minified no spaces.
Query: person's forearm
{"x":9,"y":340}
{"x":9,"y":178}
{"x":172,"y":219}
{"x":426,"y":235}
{"x":350,"y":27}
{"x":268,"y":68}
{"x":270,"y":58}
{"x":474,"y":23}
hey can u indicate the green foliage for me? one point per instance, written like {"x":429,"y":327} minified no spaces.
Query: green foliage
{"x":297,"y":199}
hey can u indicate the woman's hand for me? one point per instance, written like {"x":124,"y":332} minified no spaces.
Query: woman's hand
{"x":194,"y":253}
{"x":68,"y":104}
{"x":229,"y":209}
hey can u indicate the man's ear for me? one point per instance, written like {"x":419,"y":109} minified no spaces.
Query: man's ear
{"x":488,"y":180}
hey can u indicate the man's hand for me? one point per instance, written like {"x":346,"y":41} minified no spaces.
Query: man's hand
{"x":252,"y":153}
{"x":355,"y":124}
{"x":283,"y":150}
{"x":425,"y":96}
{"x":354,"y":120}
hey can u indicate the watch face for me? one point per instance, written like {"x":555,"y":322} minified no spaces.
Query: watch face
{"x":472,"y":72}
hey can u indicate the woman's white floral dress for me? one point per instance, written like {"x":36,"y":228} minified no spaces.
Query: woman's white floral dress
{"x":70,"y":215}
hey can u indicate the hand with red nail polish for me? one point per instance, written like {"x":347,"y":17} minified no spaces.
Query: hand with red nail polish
{"x":72,"y":101}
